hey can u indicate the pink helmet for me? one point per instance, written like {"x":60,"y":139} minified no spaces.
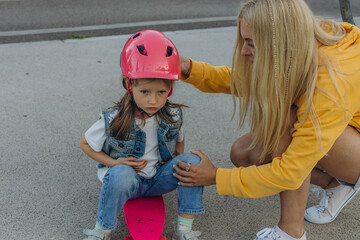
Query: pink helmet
{"x":150,"y":54}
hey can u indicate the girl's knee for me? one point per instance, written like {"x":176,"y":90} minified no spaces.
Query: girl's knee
{"x":121,"y":174}
{"x":119,"y":183}
{"x":191,"y":158}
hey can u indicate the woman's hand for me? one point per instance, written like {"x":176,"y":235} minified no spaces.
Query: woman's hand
{"x":185,"y":66}
{"x":203,"y":174}
{"x":131,"y":161}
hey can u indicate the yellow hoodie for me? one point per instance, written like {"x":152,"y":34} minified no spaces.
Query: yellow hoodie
{"x":290,"y":170}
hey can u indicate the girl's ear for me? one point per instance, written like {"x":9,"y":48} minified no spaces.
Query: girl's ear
{"x":126,"y":82}
{"x":125,"y":79}
{"x":127,"y":85}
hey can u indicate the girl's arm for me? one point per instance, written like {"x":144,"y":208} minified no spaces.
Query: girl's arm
{"x":105,"y":159}
{"x":100,"y":157}
{"x":179,"y":148}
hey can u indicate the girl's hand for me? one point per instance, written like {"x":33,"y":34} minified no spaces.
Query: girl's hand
{"x":131,"y":161}
{"x":203,"y":174}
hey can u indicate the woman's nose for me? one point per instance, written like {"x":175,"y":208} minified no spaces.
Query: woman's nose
{"x":245,"y":51}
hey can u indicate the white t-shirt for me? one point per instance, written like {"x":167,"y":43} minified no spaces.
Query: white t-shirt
{"x":96,"y":136}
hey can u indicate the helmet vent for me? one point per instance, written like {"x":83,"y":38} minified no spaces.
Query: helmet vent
{"x":142,"y":50}
{"x":169,"y":51}
{"x":136,"y":36}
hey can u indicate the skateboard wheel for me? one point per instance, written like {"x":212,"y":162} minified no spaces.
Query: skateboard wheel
{"x":128,"y":238}
{"x":163,"y":238}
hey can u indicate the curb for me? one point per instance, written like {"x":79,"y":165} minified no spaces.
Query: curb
{"x":113,"y":29}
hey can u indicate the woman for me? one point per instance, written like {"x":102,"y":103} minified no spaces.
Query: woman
{"x":299,"y":82}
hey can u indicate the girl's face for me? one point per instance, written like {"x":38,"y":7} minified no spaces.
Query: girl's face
{"x":150,"y":94}
{"x":248,"y":49}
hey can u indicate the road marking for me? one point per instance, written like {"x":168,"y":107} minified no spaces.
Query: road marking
{"x":115,"y":26}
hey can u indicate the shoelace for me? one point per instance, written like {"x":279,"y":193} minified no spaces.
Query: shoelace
{"x":267,"y":233}
{"x":324,"y":202}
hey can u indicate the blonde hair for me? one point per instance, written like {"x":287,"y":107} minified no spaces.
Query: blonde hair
{"x":285,"y":35}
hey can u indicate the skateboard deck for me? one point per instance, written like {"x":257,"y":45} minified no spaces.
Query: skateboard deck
{"x":145,"y":218}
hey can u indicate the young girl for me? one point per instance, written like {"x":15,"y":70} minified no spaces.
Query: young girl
{"x":138,"y":141}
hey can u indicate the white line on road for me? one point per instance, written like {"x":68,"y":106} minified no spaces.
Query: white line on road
{"x":114,"y":26}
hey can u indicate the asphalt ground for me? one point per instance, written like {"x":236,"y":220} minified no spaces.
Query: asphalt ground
{"x":52,"y":91}
{"x":38,"y":20}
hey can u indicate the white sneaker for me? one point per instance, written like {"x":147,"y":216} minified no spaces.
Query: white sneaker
{"x":94,"y":234}
{"x":191,"y":235}
{"x":274,"y":234}
{"x":332,"y":202}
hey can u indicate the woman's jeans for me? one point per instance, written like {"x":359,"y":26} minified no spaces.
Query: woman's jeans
{"x":121,"y":183}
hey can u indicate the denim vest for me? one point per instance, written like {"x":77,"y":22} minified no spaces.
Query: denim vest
{"x":135,"y":144}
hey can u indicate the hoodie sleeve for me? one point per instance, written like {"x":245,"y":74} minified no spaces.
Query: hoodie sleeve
{"x":208,"y":78}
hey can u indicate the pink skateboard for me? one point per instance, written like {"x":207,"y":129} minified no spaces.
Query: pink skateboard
{"x":145,"y":218}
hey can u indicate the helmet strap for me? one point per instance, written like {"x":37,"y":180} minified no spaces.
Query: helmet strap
{"x":128,"y":88}
{"x":171,"y":89}
{"x":132,"y":99}
{"x":141,"y":111}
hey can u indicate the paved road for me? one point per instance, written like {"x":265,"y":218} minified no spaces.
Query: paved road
{"x":33,"y":20}
{"x":52,"y":91}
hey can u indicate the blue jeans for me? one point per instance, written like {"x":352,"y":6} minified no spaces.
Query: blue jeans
{"x":121,"y":183}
